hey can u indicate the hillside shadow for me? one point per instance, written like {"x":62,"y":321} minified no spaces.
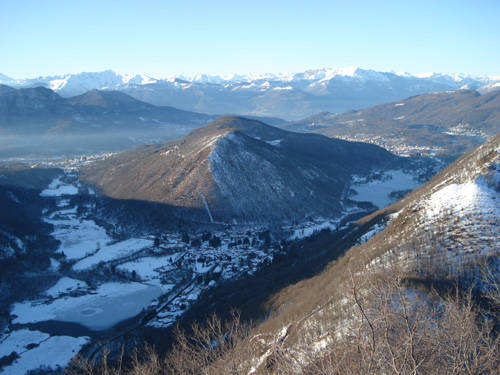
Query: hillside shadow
{"x":131,"y":216}
{"x":251,"y":295}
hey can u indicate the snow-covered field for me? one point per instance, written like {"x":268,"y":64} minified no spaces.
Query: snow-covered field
{"x":149,"y":268}
{"x":103,"y":281}
{"x":37,"y":349}
{"x":173,"y":270}
{"x":66,"y":285}
{"x":57,"y":188}
{"x":378,"y":191}
{"x":79,"y":237}
{"x":308,"y":229}
{"x":112,"y":252}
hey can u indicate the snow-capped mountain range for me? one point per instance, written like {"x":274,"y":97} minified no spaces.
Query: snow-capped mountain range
{"x":286,"y":95}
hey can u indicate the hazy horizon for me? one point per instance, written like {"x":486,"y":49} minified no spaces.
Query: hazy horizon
{"x":254,"y":74}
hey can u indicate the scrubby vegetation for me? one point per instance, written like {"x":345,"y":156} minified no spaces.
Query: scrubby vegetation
{"x":420,"y":297}
{"x":381,"y":321}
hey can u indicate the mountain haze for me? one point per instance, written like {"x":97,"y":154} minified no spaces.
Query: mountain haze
{"x":288,"y":96}
{"x":42,"y":110}
{"x":442,"y":123}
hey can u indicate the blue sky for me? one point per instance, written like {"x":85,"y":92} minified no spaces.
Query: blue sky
{"x":187,"y":37}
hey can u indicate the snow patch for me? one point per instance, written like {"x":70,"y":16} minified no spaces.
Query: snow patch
{"x":149,"y":268}
{"x":54,"y":353}
{"x":17,"y":341}
{"x":78,"y":237}
{"x":309,"y":229}
{"x":58,"y":188}
{"x":114,"y":251}
{"x":275,"y":142}
{"x":66,"y":285}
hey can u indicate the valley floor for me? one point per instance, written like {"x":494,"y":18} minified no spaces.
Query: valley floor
{"x":104,"y":278}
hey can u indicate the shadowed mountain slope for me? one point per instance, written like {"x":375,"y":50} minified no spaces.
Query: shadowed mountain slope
{"x":439,"y":241}
{"x":448,"y":223}
{"x":41,"y":110}
{"x":241,"y":170}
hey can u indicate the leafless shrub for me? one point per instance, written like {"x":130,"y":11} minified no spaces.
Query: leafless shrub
{"x":397,"y":329}
{"x":212,"y":348}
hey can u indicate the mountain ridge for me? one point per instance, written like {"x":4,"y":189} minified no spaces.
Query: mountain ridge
{"x":240,"y":170}
{"x":289,"y":96}
{"x":39,"y":109}
{"x":441,"y":123}
{"x":431,"y":250}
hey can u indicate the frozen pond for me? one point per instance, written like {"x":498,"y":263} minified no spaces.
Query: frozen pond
{"x":378,"y":191}
{"x":111,"y":304}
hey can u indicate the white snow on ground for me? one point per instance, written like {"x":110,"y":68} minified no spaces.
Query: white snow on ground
{"x":472,"y":198}
{"x":377,"y":228}
{"x":56,"y":352}
{"x":463,"y":219}
{"x":16,"y":341}
{"x":146,"y":267}
{"x":78,"y":237}
{"x":58,"y":188}
{"x":66,"y":285}
{"x":201,"y":268}
{"x":275,"y":142}
{"x":54,"y":264}
{"x":378,"y":191}
{"x":309,"y":229}
{"x":111,"y":304}
{"x":469,"y":214}
{"x":111,"y":252}
{"x":458,"y":197}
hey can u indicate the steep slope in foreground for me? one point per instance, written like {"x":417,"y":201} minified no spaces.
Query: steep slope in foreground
{"x":390,"y":305}
{"x":410,"y":300}
{"x":443,"y":123}
{"x":243,"y":170}
{"x":454,"y":214}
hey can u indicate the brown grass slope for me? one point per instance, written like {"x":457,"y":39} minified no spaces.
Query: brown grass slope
{"x":399,"y":235}
{"x":398,"y":316}
{"x":360,"y":317}
{"x":244,"y":169}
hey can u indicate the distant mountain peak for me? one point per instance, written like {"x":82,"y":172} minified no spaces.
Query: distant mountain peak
{"x":103,"y":98}
{"x":286,"y":95}
{"x":6,"y":80}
